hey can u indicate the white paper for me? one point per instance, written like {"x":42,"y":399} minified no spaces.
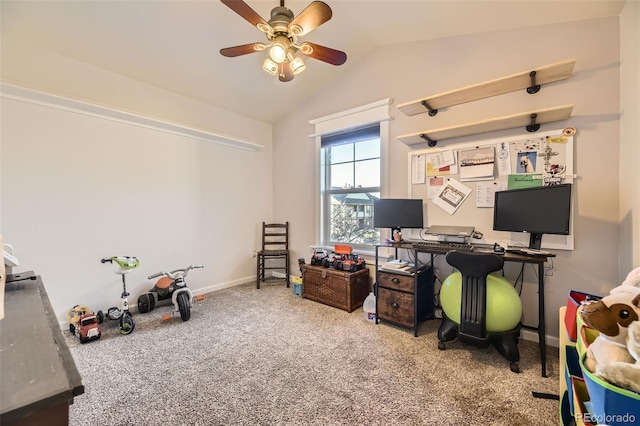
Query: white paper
{"x":435,"y":185}
{"x":441,"y":159}
{"x":452,"y":196}
{"x":477,"y":164}
{"x":504,"y":159}
{"x":486,"y":191}
{"x":418,"y":169}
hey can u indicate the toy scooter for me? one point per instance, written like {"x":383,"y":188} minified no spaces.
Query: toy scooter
{"x":170,"y":289}
{"x":122,"y":265}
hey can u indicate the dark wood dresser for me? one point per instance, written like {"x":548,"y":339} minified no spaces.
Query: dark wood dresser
{"x":39,"y":376}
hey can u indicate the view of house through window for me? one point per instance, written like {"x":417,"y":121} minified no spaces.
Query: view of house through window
{"x":351,"y":181}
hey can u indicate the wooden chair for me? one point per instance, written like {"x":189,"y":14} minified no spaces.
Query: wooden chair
{"x":275,"y":250}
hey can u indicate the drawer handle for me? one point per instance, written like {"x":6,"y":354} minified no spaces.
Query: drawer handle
{"x":395,"y":305}
{"x":395,"y":280}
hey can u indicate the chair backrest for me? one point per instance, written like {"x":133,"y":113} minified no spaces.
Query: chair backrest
{"x":474,"y":268}
{"x":275,"y":236}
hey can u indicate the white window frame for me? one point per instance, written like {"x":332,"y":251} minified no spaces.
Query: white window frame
{"x":376,"y":112}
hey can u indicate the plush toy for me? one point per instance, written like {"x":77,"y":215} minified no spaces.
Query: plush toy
{"x":611,"y":316}
{"x":623,"y":374}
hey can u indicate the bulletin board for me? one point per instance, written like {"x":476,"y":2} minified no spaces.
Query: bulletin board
{"x":457,"y":182}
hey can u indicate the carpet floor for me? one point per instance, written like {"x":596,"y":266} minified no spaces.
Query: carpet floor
{"x":269,"y":357}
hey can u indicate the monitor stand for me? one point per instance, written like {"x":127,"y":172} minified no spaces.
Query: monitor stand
{"x":535,"y":241}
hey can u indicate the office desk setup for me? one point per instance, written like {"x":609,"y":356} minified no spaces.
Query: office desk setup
{"x":423,"y":273}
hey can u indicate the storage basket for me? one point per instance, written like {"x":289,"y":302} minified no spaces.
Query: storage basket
{"x":574,"y":301}
{"x":611,"y":405}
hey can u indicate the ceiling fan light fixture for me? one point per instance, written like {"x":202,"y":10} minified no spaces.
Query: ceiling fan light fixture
{"x":270,"y":66}
{"x":278,"y":51}
{"x":297,"y":65}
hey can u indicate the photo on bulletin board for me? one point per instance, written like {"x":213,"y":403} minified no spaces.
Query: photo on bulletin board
{"x":544,"y":158}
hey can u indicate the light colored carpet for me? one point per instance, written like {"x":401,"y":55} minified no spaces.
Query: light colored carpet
{"x":268,"y":357}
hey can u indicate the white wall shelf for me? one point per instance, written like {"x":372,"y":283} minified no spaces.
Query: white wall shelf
{"x":530,"y":80}
{"x":531,"y":120}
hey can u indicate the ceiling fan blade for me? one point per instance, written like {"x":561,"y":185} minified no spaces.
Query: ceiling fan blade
{"x":234,"y":51}
{"x":314,"y":15}
{"x":244,"y":10}
{"x":322,"y":53}
{"x":285,"y":73}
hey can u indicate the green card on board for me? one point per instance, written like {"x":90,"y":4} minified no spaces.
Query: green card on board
{"x":524,"y":181}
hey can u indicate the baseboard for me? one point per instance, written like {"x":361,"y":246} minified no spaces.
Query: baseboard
{"x":532,"y":336}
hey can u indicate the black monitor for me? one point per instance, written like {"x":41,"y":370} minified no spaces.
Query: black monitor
{"x":397,"y":213}
{"x":540,"y":210}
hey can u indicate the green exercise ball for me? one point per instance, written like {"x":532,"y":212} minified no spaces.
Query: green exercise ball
{"x":504,"y":307}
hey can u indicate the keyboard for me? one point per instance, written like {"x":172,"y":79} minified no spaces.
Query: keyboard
{"x":441,"y":246}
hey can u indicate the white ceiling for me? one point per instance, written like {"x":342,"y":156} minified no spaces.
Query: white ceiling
{"x":175,"y":45}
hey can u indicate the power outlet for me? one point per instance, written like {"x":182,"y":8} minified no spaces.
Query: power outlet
{"x":253,"y":253}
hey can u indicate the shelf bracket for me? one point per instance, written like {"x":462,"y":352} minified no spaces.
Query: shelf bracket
{"x":533,"y":127}
{"x":534,"y":88}
{"x":429,"y":141}
{"x":432,"y":111}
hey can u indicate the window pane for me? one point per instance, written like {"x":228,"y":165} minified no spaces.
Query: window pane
{"x":352,"y":219}
{"x":341,"y":175}
{"x":341,"y":153}
{"x":367,"y":173}
{"x":367,"y":149}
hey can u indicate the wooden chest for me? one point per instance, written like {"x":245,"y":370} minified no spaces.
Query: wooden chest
{"x":340,"y":289}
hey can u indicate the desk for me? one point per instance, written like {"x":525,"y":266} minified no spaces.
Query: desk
{"x":508,"y":257}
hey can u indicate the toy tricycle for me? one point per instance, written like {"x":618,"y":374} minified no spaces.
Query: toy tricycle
{"x":170,"y":289}
{"x":122,"y":265}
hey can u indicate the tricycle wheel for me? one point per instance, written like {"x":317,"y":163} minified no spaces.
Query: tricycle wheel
{"x":146,"y":303}
{"x":126,"y":324}
{"x":100,"y":317}
{"x":184,"y":306}
{"x":72,"y":328}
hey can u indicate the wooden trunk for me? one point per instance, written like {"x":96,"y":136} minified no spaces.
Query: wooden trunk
{"x":340,"y":289}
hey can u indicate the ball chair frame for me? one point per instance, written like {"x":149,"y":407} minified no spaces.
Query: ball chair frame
{"x":475,"y":267}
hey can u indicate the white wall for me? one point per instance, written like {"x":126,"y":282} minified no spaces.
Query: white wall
{"x":76,"y":188}
{"x":629,"y":137}
{"x":407,"y":72}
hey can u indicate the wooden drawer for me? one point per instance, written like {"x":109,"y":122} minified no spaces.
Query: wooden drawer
{"x":343,"y":290}
{"x":396,"y":281}
{"x":396,"y":306}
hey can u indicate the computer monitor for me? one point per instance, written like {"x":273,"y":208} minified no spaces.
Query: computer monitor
{"x":397,"y":213}
{"x":538,"y":211}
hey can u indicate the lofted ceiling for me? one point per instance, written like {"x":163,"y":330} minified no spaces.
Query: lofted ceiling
{"x":175,"y":45}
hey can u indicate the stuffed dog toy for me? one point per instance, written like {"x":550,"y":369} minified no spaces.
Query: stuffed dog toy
{"x":611,"y":316}
{"x":623,"y":374}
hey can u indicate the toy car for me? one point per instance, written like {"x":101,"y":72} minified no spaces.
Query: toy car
{"x":319,"y":256}
{"x":83,"y":323}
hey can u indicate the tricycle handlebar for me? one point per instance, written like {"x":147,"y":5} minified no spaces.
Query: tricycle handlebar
{"x":175,"y":274}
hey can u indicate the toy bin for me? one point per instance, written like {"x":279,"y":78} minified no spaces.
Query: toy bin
{"x":571,"y":317}
{"x":586,"y":336}
{"x":296,"y":283}
{"x":611,"y":405}
{"x":580,"y":400}
{"x":571,"y":371}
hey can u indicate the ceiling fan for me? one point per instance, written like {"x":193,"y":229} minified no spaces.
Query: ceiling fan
{"x":282,"y":31}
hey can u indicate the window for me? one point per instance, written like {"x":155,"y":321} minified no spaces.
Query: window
{"x":352,"y":171}
{"x":350,"y":164}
